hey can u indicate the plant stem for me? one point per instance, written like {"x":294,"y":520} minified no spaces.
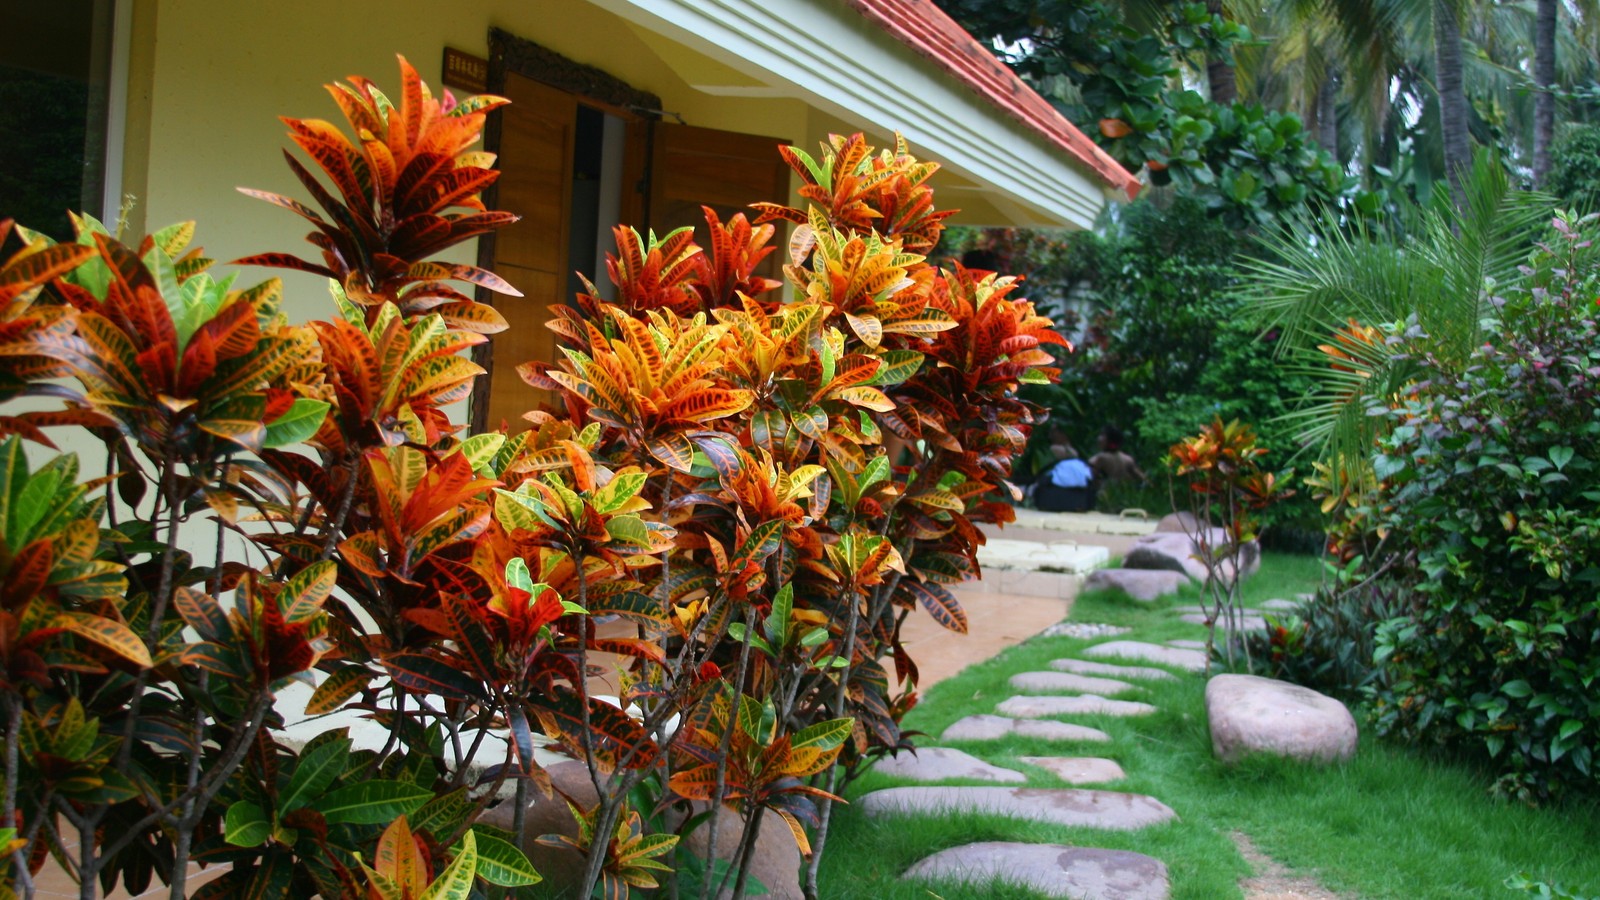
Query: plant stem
{"x":843,"y":694}
{"x":722,"y":757}
{"x":19,"y":857}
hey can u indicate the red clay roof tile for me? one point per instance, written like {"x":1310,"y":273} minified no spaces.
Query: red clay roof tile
{"x":925,"y":28}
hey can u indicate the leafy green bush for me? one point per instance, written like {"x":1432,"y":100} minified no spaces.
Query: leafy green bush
{"x":1575,"y":167}
{"x":1328,"y":643}
{"x":1490,"y":473}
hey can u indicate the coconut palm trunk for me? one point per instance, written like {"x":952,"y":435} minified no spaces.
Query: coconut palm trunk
{"x":1219,"y":73}
{"x":1544,"y":100}
{"x":1452,"y":96}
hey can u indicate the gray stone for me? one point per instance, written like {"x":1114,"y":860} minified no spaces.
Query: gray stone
{"x":775,"y":862}
{"x":989,"y":728}
{"x":1079,"y":769}
{"x":1055,"y":682}
{"x":1080,"y":873}
{"x":941,"y":763}
{"x":1281,"y":605}
{"x":1140,"y":584}
{"x":1168,"y":551}
{"x":1076,"y":807}
{"x":1083,"y":630}
{"x":1193,"y":660}
{"x":1246,"y":622}
{"x":1187,"y":644}
{"x":562,"y":867}
{"x":1251,"y":714}
{"x":1085,"y":705}
{"x":1085,"y":667}
{"x":1179,"y":552}
{"x":1181,"y":522}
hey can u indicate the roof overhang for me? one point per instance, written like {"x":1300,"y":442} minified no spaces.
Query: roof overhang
{"x":883,"y":71}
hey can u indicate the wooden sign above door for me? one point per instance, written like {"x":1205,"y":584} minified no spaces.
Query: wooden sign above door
{"x":465,"y":72}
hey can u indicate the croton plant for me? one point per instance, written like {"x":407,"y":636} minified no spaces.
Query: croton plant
{"x":733,"y":506}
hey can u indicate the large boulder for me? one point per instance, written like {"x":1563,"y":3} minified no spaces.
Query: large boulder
{"x":1168,"y":551}
{"x":1181,"y":522}
{"x":562,"y":867}
{"x":1179,"y":552}
{"x":1251,"y":714}
{"x":1140,"y":584}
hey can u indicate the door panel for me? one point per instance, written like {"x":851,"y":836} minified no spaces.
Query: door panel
{"x":727,"y":171}
{"x":509,"y":395}
{"x":536,"y":141}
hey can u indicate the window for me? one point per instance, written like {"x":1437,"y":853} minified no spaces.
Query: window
{"x":55,"y":89}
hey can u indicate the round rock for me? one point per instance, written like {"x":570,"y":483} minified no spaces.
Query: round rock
{"x":1085,"y":667}
{"x":942,"y":763}
{"x":1079,"y":769}
{"x":1053,"y":682}
{"x":1084,"y":705}
{"x":1081,"y":873}
{"x":1193,"y":660}
{"x":1140,"y":584}
{"x":1251,"y":714}
{"x":990,"y":728}
{"x":1111,"y":810}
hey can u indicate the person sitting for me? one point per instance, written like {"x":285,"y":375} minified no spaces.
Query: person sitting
{"x":1068,"y":485}
{"x":1111,"y":463}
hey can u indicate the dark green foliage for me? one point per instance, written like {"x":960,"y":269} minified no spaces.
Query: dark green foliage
{"x":1490,"y":474}
{"x":1112,"y":73}
{"x":1328,"y":643}
{"x":1575,"y":168}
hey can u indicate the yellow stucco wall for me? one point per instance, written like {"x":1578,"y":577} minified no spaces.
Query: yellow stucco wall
{"x":219,"y":75}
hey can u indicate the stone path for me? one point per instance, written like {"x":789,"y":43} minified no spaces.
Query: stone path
{"x":1193,"y":660}
{"x":1082,"y":705}
{"x":990,"y":728}
{"x":1051,"y":869}
{"x":1045,"y":682}
{"x":1079,"y":769}
{"x":1075,"y":807}
{"x":1082,"y":685}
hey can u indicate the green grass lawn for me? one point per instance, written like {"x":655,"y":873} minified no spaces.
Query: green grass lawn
{"x":1389,"y":823}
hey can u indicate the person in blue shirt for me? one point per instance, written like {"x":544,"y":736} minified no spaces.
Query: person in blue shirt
{"x":1068,"y":485}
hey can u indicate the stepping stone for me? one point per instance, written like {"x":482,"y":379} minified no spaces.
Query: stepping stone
{"x":1085,"y":667}
{"x":940,"y":763}
{"x":989,"y":728}
{"x":1085,"y":705}
{"x":1305,"y":598}
{"x":1278,"y":603}
{"x":1080,"y":873}
{"x":1079,"y":769}
{"x":1140,"y":584}
{"x":1247,"y":622}
{"x":1186,"y":644}
{"x":1193,"y":660}
{"x":1056,"y":682}
{"x":1251,"y":714}
{"x":1076,"y":807}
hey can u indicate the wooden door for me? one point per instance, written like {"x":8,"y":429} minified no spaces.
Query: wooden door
{"x":692,"y":167}
{"x":535,"y":159}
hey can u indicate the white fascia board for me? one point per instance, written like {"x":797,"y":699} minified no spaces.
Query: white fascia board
{"x":835,"y":60}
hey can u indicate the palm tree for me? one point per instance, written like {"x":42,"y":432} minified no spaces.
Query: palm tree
{"x":1314,"y":281}
{"x":1544,"y":77}
{"x":1452,"y":96}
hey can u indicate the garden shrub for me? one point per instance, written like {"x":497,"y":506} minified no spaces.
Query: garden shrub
{"x":1574,"y":176}
{"x":718,"y":478}
{"x":1490,"y":475}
